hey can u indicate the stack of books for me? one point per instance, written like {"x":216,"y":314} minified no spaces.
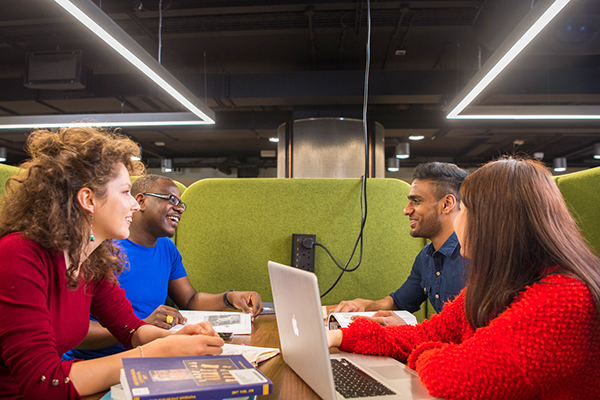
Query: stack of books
{"x":195,"y":377}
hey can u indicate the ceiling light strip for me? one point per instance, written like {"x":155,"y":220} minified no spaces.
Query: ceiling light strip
{"x":533,"y":23}
{"x":106,"y":120}
{"x":533,"y":112}
{"x":106,"y":29}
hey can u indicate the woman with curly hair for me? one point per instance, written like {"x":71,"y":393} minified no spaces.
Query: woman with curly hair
{"x":58,"y":266}
{"x":527,"y":326}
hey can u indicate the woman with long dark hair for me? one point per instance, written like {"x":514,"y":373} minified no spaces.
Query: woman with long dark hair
{"x":527,"y":326}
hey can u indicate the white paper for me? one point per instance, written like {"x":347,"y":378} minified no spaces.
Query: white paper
{"x":222,"y":321}
{"x":345,"y":318}
{"x":253,"y":354}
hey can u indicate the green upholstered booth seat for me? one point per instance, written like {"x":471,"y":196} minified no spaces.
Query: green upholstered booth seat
{"x":6,"y":171}
{"x":232,"y":227}
{"x":181,"y":186}
{"x":581,"y":191}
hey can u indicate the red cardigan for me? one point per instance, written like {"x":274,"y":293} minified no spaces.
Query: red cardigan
{"x":40,"y":319}
{"x":546,"y":345}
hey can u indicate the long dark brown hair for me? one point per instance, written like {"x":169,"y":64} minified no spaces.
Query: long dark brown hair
{"x":518,"y":225}
{"x":41,"y":202}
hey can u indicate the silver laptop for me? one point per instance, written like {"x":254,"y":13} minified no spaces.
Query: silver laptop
{"x":304,"y":346}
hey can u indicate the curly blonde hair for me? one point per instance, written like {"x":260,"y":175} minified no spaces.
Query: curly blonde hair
{"x":41,"y":202}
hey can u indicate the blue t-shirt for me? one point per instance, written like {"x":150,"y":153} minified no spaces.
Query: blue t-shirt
{"x":146,"y":283}
{"x":438,"y":275}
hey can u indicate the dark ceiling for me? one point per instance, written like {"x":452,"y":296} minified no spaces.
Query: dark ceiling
{"x":259,"y":64}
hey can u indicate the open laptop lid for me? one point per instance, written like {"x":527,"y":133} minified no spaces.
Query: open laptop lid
{"x":301,"y":330}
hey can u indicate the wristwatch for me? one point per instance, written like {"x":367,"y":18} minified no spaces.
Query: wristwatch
{"x":226,"y":302}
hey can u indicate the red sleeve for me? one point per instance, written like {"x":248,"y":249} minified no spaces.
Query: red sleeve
{"x":536,"y":345}
{"x":543,"y":343}
{"x":367,"y":337}
{"x":27,"y":338}
{"x":115,"y":312}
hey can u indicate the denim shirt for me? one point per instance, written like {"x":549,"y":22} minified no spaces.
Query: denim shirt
{"x":438,"y":275}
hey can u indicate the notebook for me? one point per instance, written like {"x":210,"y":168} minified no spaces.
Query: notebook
{"x":304,"y":346}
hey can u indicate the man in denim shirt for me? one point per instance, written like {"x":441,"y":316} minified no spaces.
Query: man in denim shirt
{"x":438,"y":273}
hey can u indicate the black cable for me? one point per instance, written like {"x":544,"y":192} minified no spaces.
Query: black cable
{"x":359,"y":239}
{"x":366,"y":87}
{"x":363,"y":187}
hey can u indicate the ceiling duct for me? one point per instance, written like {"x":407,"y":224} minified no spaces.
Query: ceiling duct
{"x":576,"y":31}
{"x":497,"y":19}
{"x":60,"y":70}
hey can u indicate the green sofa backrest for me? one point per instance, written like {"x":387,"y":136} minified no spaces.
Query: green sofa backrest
{"x":232,"y":227}
{"x":6,"y":171}
{"x":581,"y":191}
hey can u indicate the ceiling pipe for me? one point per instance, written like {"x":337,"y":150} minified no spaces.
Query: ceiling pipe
{"x":310,"y":12}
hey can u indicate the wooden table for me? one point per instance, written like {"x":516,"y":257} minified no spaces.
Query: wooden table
{"x":286,"y":384}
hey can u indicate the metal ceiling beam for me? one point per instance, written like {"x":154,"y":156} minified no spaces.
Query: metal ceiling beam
{"x":297,"y":86}
{"x":301,"y":6}
{"x":311,"y":84}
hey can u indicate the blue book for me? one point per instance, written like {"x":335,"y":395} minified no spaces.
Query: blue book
{"x":195,"y":377}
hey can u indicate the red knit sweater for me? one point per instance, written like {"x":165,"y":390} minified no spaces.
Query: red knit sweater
{"x":40,"y":319}
{"x":546,"y":345}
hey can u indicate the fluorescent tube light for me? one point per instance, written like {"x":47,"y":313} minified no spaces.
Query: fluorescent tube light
{"x":106,"y":29}
{"x":531,"y":25}
{"x":532,"y":112}
{"x":107,"y":120}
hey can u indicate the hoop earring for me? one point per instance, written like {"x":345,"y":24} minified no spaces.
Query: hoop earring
{"x":92,"y":238}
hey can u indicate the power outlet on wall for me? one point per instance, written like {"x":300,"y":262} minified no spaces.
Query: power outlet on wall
{"x":303,"y":251}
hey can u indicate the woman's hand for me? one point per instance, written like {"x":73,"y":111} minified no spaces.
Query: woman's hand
{"x":334,"y":337}
{"x":180,"y":345}
{"x":202,"y":328}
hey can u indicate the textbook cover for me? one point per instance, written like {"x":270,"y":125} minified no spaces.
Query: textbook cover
{"x":195,"y":377}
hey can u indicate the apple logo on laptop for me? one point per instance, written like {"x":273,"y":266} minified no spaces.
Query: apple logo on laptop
{"x":295,"y":325}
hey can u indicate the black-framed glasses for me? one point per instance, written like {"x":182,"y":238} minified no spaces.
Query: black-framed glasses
{"x":171,"y":198}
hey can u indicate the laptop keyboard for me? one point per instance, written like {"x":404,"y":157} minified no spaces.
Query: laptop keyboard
{"x":351,"y":382}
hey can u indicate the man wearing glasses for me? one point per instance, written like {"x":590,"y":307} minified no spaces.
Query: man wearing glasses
{"x":156,"y":270}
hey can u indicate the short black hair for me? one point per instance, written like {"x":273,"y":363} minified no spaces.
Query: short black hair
{"x":146,"y":183}
{"x":446,"y":177}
